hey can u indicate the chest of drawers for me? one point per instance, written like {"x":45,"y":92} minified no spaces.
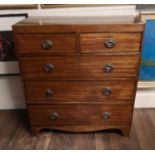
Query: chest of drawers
{"x":79,"y":74}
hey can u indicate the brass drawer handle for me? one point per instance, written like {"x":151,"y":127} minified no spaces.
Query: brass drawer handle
{"x":106,"y":115}
{"x":107,"y":91}
{"x":54,"y":116}
{"x":49,"y":93}
{"x":47,"y":44}
{"x":108,"y":68}
{"x":48,"y":68}
{"x":110,"y":43}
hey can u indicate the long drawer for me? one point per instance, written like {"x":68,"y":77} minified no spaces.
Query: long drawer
{"x":80,"y":91}
{"x":80,"y":115}
{"x":79,"y":67}
{"x":110,"y":42}
{"x":46,"y":43}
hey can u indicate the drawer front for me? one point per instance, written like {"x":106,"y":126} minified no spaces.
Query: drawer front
{"x":46,"y":43}
{"x":79,"y":115}
{"x":79,"y":67}
{"x":110,"y":42}
{"x":80,"y":91}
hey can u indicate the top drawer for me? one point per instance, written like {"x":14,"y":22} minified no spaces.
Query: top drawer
{"x":110,"y":42}
{"x":46,"y":43}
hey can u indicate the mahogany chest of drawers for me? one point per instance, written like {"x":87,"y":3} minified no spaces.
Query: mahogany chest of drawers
{"x":79,"y":74}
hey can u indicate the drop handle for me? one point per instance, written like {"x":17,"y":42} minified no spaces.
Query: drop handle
{"x":110,"y":43}
{"x":107,"y":91}
{"x":47,"y":44}
{"x":48,"y":68}
{"x":106,"y":115}
{"x":54,"y":116}
{"x":49,"y":93}
{"x":108,"y":68}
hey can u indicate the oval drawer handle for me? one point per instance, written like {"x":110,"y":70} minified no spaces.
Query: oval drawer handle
{"x":47,"y":44}
{"x":108,"y":68}
{"x":49,"y":93}
{"x":110,"y":43}
{"x":48,"y":68}
{"x":106,"y":115}
{"x":54,"y":116}
{"x":107,"y":91}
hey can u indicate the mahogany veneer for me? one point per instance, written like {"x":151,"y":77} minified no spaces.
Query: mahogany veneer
{"x":80,"y":74}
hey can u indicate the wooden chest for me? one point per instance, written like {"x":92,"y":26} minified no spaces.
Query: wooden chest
{"x":79,"y":74}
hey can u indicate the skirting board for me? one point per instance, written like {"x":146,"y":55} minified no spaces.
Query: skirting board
{"x":12,"y":103}
{"x":145,"y":98}
{"x":11,"y":94}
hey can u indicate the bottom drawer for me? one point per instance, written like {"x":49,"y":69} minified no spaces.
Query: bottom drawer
{"x":93,"y":114}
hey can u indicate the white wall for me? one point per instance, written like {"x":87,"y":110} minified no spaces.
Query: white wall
{"x":79,"y":11}
{"x":11,"y":91}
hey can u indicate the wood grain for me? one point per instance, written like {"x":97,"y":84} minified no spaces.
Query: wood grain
{"x":75,"y":69}
{"x":89,"y":115}
{"x":74,"y":92}
{"x":17,"y":136}
{"x":78,"y":25}
{"x":139,"y":122}
{"x":9,"y":124}
{"x":79,"y":67}
{"x":95,"y":42}
{"x":32,"y":43}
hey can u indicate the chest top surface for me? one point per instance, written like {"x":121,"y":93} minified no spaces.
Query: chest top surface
{"x":126,"y":23}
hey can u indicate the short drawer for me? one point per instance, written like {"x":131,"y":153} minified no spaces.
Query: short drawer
{"x":46,"y":43}
{"x":79,"y":67}
{"x":79,"y":115}
{"x":110,"y":42}
{"x":80,"y":91}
